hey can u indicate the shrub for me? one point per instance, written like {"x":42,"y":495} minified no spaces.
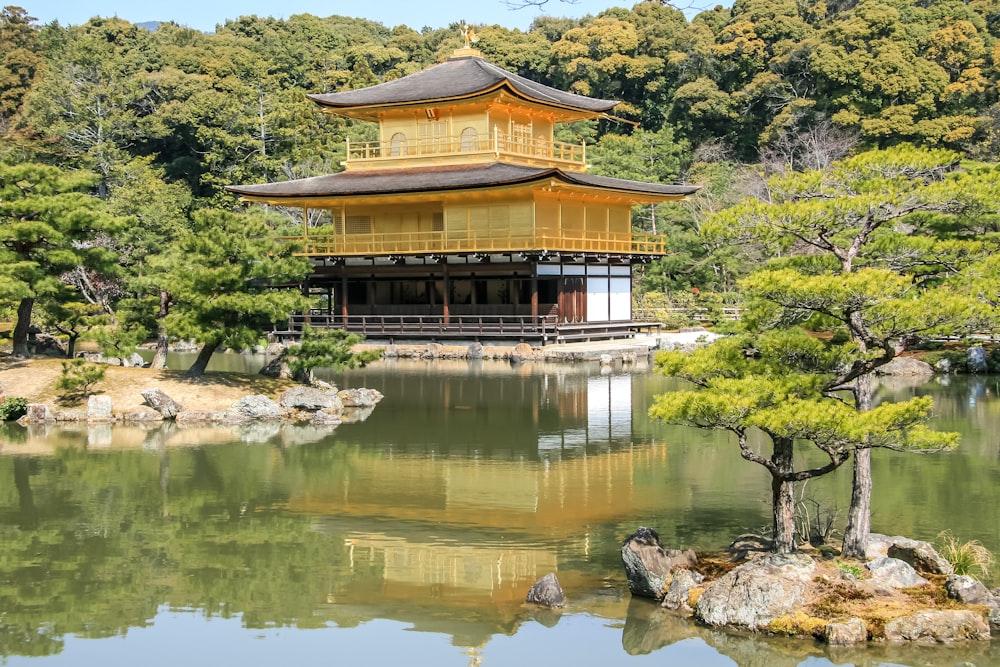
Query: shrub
{"x":965,"y":556}
{"x":13,"y":408}
{"x":78,"y":377}
{"x":329,"y":348}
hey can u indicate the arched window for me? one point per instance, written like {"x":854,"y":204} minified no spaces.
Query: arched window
{"x":397,"y":145}
{"x":469,"y":140}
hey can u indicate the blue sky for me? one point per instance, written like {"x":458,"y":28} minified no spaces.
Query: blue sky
{"x":205,"y":14}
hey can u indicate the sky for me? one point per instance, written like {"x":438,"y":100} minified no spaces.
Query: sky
{"x":205,"y":14}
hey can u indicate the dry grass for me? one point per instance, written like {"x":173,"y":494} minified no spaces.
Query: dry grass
{"x":35,"y":379}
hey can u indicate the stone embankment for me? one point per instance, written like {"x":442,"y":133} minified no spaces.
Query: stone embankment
{"x":322,"y":404}
{"x":903,"y":592}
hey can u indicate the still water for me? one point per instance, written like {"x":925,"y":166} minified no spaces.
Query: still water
{"x":414,"y":536}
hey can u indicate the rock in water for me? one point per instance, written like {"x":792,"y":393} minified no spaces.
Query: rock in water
{"x":752,"y":595}
{"x":547,"y":592}
{"x":254,"y":407}
{"x":311,"y":399}
{"x":938,"y":627}
{"x":359,"y":398}
{"x":648,"y":564}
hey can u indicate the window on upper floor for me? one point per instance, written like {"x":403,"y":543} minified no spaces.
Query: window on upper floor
{"x":397,"y":145}
{"x":469,"y":140}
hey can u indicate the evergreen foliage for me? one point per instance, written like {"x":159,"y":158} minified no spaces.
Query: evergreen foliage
{"x":78,"y":378}
{"x":327,"y":348}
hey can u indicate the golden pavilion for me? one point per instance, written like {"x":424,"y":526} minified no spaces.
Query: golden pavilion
{"x":466,"y":219}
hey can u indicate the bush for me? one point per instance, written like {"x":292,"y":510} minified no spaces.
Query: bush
{"x":327,"y":348}
{"x":965,"y":556}
{"x":78,"y":377}
{"x":13,"y":408}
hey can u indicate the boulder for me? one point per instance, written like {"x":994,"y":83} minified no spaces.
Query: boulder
{"x":474,"y":351}
{"x":359,"y":398}
{"x":938,"y":627}
{"x":648,"y":564}
{"x":522,"y":352}
{"x":894,"y":573}
{"x":310,"y":399}
{"x":606,"y":360}
{"x":547,"y":592}
{"x":49,"y":346}
{"x":852,"y":631}
{"x":749,"y":543}
{"x":679,"y":589}
{"x":99,"y":408}
{"x":975,"y":359}
{"x":254,"y":407}
{"x":133,"y":361}
{"x":755,"y":593}
{"x":326,"y":418}
{"x":921,"y":555}
{"x":944,"y":365}
{"x":159,"y":401}
{"x":70,"y":415}
{"x":905,"y":366}
{"x":277,"y":368}
{"x":432,"y":351}
{"x":969,"y":590}
{"x":36,"y":413}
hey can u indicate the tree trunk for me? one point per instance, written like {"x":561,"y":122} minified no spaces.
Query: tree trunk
{"x":162,"y":339}
{"x":201,"y":363}
{"x":783,"y":497}
{"x":21,"y":328}
{"x":71,"y":345}
{"x":859,"y":519}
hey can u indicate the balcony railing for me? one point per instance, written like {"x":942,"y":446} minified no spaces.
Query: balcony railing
{"x":498,"y":144}
{"x":419,"y":243}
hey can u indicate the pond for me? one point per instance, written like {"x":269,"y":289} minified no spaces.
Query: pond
{"x":414,"y":535}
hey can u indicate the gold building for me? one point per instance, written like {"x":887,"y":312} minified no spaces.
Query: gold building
{"x":466,"y":219}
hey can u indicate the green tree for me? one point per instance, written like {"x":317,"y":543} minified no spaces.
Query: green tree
{"x":230,"y":280}
{"x":49,"y":224}
{"x":20,"y":62}
{"x":876,"y":246}
{"x":773,"y":384}
{"x":331,"y":348}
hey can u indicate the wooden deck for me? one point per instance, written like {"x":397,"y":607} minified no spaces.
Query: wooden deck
{"x":545,"y":330}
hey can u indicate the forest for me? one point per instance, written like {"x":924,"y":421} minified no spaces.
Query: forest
{"x":119,"y":139}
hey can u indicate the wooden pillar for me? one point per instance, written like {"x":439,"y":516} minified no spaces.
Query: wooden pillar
{"x":343,"y":299}
{"x":534,"y":297}
{"x":446,"y":301}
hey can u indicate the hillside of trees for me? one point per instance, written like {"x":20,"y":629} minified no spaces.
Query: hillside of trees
{"x":151,"y":125}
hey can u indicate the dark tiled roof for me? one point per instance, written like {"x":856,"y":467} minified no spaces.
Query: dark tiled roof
{"x":455,"y":79}
{"x":400,"y":181}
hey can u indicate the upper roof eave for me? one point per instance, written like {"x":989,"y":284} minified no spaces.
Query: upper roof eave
{"x":458,"y":79}
{"x":439,"y":179}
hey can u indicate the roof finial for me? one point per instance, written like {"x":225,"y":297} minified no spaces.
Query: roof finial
{"x":469,"y":35}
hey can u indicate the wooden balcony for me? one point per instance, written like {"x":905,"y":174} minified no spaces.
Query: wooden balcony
{"x":545,"y":329}
{"x":467,"y":149}
{"x":422,"y":243}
